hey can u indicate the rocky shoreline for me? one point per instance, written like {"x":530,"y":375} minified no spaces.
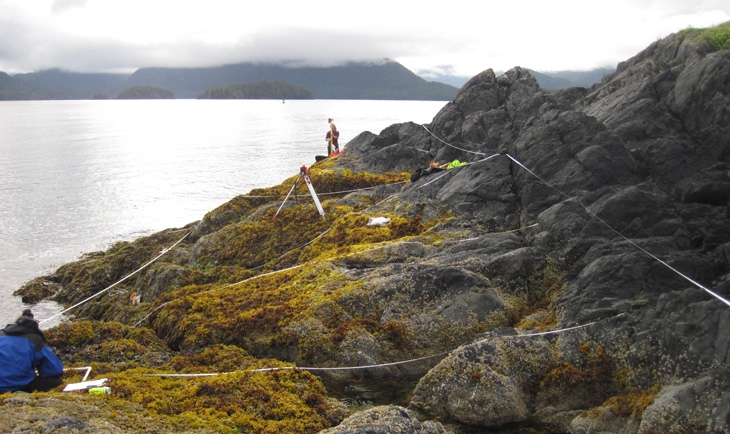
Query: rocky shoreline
{"x":534,"y":289}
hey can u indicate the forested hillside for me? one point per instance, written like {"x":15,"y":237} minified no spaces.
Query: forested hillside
{"x":259,"y":90}
{"x":386,"y":80}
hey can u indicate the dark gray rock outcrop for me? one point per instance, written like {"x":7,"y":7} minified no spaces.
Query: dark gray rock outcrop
{"x":622,"y":193}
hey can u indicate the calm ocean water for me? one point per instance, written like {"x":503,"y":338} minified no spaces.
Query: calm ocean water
{"x":78,"y":176}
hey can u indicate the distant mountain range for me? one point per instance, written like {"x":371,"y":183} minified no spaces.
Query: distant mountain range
{"x":386,"y":80}
{"x":552,"y":80}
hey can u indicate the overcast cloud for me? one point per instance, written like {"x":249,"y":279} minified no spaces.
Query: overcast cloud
{"x":456,"y":37}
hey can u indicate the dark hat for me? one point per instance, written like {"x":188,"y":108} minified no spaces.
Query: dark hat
{"x":28,"y":313}
{"x":329,"y":119}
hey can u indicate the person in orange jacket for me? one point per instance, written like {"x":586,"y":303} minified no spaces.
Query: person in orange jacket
{"x":332,"y":136}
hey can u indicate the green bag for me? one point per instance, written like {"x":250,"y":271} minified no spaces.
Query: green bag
{"x":455,"y":163}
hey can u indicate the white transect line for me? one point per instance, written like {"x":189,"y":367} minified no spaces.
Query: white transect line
{"x":153,"y":311}
{"x":117,"y":282}
{"x":178,"y":242}
{"x":360,"y":189}
{"x":684,"y":276}
{"x":452,"y":170}
{"x":252,"y":278}
{"x":592,"y":214}
{"x":446,"y":172}
{"x":563,"y":330}
{"x":449,"y":144}
{"x":266,"y":274}
{"x":218,"y":289}
{"x":385,"y":365}
{"x":287,"y":196}
{"x":324,"y":194}
{"x":305,"y":244}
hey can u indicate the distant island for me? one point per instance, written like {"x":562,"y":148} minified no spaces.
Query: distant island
{"x":258,"y":90}
{"x":145,"y":92}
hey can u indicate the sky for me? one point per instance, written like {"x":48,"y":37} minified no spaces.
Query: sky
{"x":449,"y":37}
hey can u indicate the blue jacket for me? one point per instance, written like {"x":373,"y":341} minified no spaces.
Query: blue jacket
{"x":23,"y":350}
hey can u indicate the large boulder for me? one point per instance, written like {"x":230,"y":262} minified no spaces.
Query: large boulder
{"x":385,"y":420}
{"x":487,"y":383}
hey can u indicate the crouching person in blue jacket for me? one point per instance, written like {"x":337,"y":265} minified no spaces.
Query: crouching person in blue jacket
{"x":23,"y":350}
